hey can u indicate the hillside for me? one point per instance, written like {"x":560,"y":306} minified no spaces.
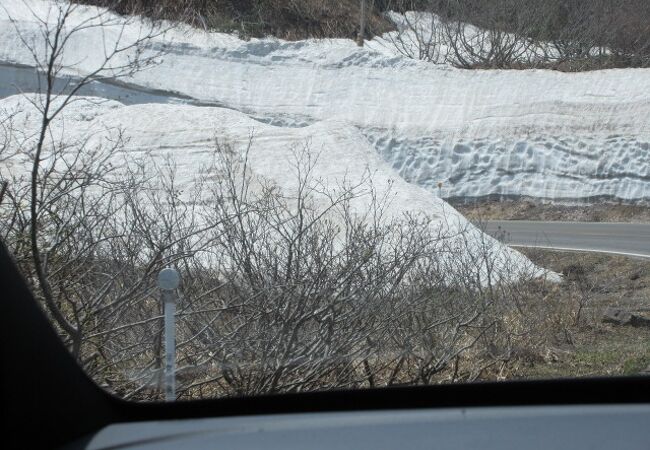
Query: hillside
{"x":301,"y":187}
{"x":573,"y":28}
{"x":284,"y":19}
{"x":538,"y":133}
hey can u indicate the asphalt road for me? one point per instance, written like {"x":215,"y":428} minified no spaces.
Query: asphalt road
{"x":623,"y":238}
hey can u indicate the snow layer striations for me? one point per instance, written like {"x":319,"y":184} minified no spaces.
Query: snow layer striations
{"x":535,"y":132}
{"x":340,"y":155}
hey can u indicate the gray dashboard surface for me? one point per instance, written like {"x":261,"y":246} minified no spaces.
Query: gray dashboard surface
{"x":547,"y":427}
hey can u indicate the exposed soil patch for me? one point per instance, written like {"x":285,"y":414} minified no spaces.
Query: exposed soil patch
{"x":527,"y":209}
{"x":591,"y":346}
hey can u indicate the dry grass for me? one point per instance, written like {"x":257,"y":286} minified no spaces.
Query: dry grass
{"x":286,"y":19}
{"x":531,"y":209}
{"x":589,"y":347}
{"x":568,"y":339}
{"x":591,"y":23}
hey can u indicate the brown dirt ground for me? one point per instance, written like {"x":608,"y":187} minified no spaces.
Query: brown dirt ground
{"x":594,"y":348}
{"x":526,"y":209}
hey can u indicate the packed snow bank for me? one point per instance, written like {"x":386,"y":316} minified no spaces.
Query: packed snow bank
{"x":340,"y":154}
{"x":554,"y":166}
{"x":538,"y":133}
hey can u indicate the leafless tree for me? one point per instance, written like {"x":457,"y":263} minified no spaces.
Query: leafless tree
{"x":445,"y":32}
{"x":64,"y":214}
{"x":568,"y":35}
{"x":284,"y":290}
{"x":420,"y":36}
{"x":498,"y":37}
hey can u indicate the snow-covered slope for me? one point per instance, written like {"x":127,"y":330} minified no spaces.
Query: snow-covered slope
{"x":340,"y":155}
{"x":539,"y":133}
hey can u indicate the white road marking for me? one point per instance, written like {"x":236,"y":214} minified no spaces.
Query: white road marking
{"x":590,"y":250}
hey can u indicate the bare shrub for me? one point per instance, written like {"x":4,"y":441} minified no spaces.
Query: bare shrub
{"x":58,"y":217}
{"x":420,"y":36}
{"x":282,"y":290}
{"x":565,"y":35}
{"x":287,"y":19}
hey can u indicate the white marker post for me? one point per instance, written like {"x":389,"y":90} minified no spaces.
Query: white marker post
{"x":362,"y":23}
{"x":168,"y":280}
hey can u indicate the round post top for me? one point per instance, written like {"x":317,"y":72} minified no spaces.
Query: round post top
{"x":168,"y":279}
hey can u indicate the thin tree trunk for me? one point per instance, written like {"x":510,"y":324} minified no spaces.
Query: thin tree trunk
{"x":362,"y":24}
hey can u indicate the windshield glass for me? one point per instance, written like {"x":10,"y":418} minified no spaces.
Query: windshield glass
{"x":224,"y":198}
